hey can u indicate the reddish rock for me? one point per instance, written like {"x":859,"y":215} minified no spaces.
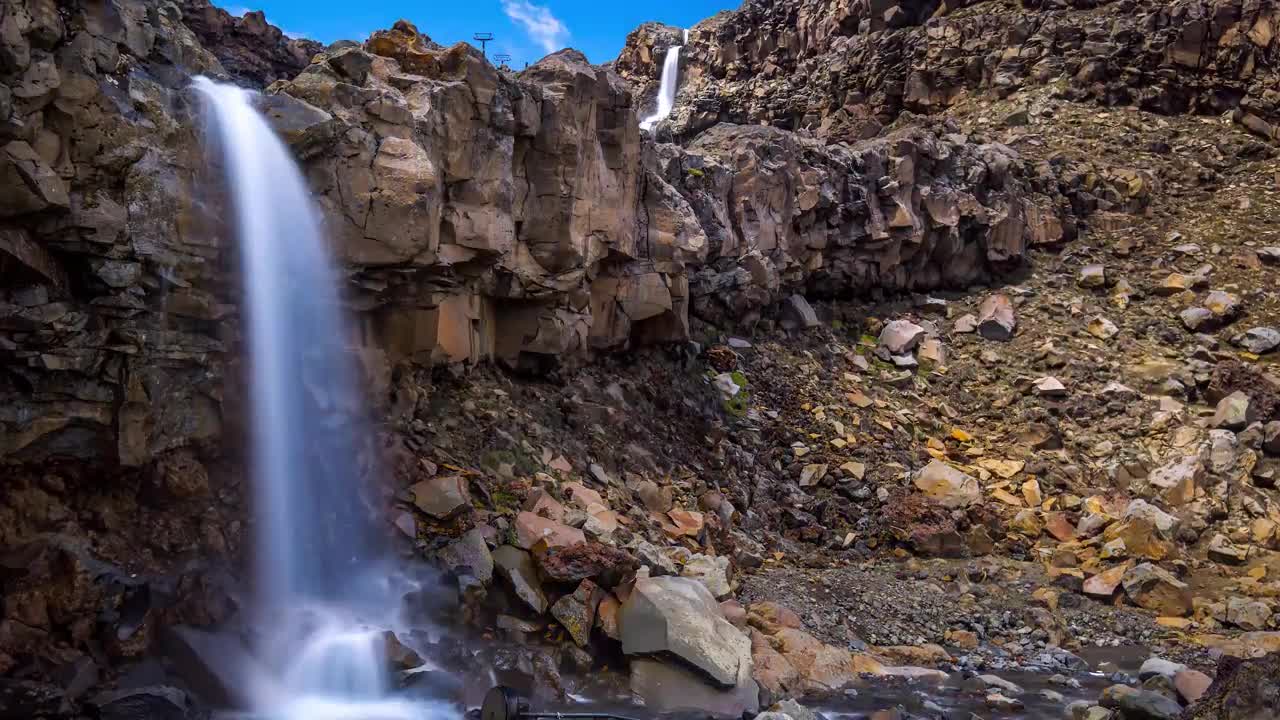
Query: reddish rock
{"x":1191,"y":684}
{"x":684,"y":523}
{"x":442,"y":497}
{"x":607,"y":616}
{"x":735,"y":613}
{"x":541,"y":503}
{"x":770,"y":617}
{"x":1060,"y":527}
{"x":1104,"y":584}
{"x":606,"y":564}
{"x":532,"y":529}
{"x":583,"y":497}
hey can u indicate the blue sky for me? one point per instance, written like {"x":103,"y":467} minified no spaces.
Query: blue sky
{"x":524,"y":29}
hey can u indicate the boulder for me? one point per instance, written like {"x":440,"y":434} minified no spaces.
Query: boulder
{"x":1191,"y":684}
{"x":443,"y":496}
{"x":996,"y":319}
{"x":710,"y":571}
{"x":577,"y":611}
{"x":797,"y":314}
{"x":1092,"y":276}
{"x":1133,"y":704}
{"x":900,"y":336}
{"x":1153,"y":588}
{"x":469,"y":555}
{"x":516,"y":567}
{"x":533,"y":529}
{"x":1234,"y":412}
{"x":154,"y":702}
{"x":670,"y":688}
{"x":605,"y":564}
{"x":679,"y":618}
{"x":1260,"y":340}
{"x":1177,"y":479}
{"x":947,"y":485}
{"x":1241,"y":690}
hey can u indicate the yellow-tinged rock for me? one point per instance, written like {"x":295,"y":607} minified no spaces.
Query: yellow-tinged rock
{"x":1008,"y":498}
{"x":1139,"y":537}
{"x":1031,"y":492}
{"x":1246,"y":645}
{"x":1004,"y":468}
{"x":1175,"y":623}
{"x":1106,"y":582}
{"x":806,"y":407}
{"x":936,"y":454}
{"x":1026,"y":523}
{"x":838,"y":443}
{"x":1251,"y":357}
{"x":1047,"y":597}
{"x":962,"y":436}
{"x":858,"y":398}
{"x":1259,"y":572}
{"x":936,"y":444}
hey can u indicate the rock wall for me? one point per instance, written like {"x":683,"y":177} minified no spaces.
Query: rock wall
{"x":482,"y":215}
{"x":522,"y":217}
{"x":844,"y":68}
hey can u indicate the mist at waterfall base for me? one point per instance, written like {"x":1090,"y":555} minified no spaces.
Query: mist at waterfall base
{"x":324,"y":585}
{"x":667,"y":86}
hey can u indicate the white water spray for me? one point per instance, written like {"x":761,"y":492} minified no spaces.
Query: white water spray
{"x":316,"y":545}
{"x":667,"y":86}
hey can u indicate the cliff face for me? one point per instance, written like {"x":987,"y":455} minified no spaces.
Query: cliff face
{"x":522,"y":216}
{"x":488,"y":216}
{"x":843,"y":68}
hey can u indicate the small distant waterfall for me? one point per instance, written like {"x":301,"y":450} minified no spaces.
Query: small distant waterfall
{"x":667,"y":86}
{"x":321,"y":574}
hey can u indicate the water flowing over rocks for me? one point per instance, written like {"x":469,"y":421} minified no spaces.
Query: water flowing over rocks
{"x":925,"y":347}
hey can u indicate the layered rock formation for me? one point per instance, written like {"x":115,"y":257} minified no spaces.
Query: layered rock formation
{"x":484,"y":215}
{"x":843,"y":68}
{"x":522,"y":218}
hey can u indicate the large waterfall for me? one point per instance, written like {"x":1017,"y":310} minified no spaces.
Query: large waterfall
{"x":667,"y":86}
{"x":319,"y":570}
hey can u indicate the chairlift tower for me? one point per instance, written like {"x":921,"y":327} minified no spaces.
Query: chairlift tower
{"x":483,"y":39}
{"x":502,"y":59}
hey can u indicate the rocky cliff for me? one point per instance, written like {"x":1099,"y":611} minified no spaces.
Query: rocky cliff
{"x":523,"y":220}
{"x":482,"y":215}
{"x":842,"y":69}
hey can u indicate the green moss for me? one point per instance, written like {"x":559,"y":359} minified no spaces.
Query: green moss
{"x":739,"y":379}
{"x":504,"y":502}
{"x":869,"y":340}
{"x":696,"y":172}
{"x":522,"y":462}
{"x":738,"y":404}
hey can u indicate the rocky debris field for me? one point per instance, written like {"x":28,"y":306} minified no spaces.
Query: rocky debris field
{"x":956,"y":395}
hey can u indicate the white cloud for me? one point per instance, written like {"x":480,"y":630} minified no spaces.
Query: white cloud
{"x":237,"y":10}
{"x":544,"y":28}
{"x":295,"y":35}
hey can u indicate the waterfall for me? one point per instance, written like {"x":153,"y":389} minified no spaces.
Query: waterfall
{"x":667,"y":86}
{"x":320,"y":574}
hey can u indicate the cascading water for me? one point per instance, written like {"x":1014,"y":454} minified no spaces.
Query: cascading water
{"x":319,"y":575}
{"x":667,"y":86}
